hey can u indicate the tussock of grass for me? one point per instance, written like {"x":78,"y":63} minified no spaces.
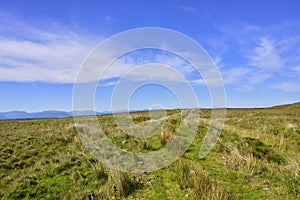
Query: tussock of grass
{"x":166,"y":136}
{"x":201,"y":184}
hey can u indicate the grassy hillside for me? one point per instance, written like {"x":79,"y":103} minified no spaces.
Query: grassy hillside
{"x":257,"y":157}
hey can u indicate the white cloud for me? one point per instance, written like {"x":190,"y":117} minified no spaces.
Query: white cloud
{"x":235,"y":75}
{"x":187,"y":8}
{"x":109,"y":19}
{"x":175,"y":62}
{"x":297,"y":69}
{"x":155,"y":73}
{"x":264,"y":56}
{"x":30,"y":61}
{"x":243,"y":88}
{"x":132,"y":68}
{"x":271,"y":52}
{"x":287,"y":87}
{"x":29,"y":54}
{"x":258,"y":77}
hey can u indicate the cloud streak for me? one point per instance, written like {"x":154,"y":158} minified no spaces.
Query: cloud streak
{"x":287,"y":87}
{"x":47,"y":56}
{"x":264,"y":56}
{"x":268,"y":54}
{"x":187,"y":8}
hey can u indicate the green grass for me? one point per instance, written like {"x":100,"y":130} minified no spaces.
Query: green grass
{"x":256,"y":157}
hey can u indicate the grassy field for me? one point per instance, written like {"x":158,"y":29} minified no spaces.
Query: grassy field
{"x":256,"y":157}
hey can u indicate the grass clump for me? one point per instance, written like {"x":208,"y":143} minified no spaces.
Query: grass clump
{"x":202,"y":186}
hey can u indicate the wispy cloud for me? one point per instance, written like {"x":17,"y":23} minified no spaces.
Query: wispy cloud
{"x":258,"y":77}
{"x":50,"y":54}
{"x":297,"y":69}
{"x":235,"y":75}
{"x":187,"y":8}
{"x":109,"y":19}
{"x":269,"y":54}
{"x":131,"y":66}
{"x":264,"y":56}
{"x":243,"y":88}
{"x":287,"y":87}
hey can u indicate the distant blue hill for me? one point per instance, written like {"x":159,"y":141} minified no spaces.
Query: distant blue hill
{"x":12,"y":115}
{"x":45,"y":114}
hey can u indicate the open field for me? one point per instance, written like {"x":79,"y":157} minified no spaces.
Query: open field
{"x":256,"y":157}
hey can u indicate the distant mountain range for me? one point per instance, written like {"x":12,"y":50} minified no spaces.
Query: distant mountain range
{"x":45,"y":114}
{"x":13,"y":115}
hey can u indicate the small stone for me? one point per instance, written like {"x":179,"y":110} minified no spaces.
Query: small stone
{"x":148,"y":183}
{"x":192,"y":172}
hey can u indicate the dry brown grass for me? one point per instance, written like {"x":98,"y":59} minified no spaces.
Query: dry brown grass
{"x":202,"y":185}
{"x":166,"y":135}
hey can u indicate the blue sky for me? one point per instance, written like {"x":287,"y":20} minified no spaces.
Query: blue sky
{"x":255,"y":45}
